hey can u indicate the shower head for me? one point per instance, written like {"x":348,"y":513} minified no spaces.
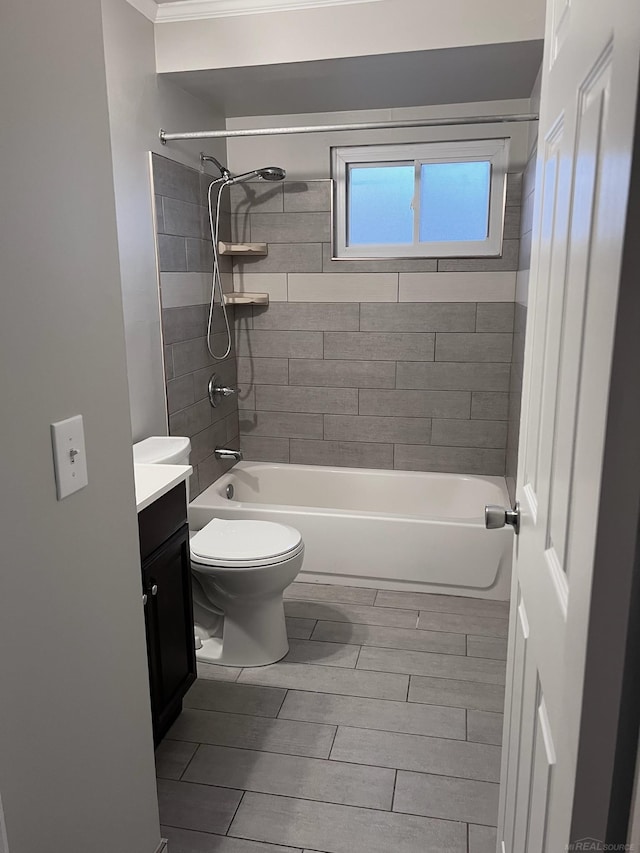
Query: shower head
{"x":268,"y":173}
{"x":208,"y":158}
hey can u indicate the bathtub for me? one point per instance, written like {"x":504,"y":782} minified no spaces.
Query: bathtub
{"x":387,"y":529}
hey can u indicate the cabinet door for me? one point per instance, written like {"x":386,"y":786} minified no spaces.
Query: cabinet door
{"x":172,"y":664}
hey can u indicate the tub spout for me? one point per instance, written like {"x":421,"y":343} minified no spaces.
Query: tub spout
{"x":225,"y":453}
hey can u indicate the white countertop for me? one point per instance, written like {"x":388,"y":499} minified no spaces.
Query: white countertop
{"x":153,"y":481}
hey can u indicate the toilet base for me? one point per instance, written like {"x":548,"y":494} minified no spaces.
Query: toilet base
{"x":253,"y":634}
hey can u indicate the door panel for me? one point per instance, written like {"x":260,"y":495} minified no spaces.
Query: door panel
{"x":544,"y":758}
{"x":587,"y":168}
{"x":553,"y":217}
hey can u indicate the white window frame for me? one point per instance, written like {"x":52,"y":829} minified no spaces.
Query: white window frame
{"x":496,"y":151}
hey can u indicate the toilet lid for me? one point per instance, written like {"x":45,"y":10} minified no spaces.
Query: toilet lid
{"x":243,"y":542}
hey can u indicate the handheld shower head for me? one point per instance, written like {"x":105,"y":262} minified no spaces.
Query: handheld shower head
{"x":272,"y":173}
{"x":268,"y":173}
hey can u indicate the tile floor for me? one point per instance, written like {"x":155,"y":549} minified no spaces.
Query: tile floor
{"x":380,"y":731}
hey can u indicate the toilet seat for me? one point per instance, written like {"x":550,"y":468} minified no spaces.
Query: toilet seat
{"x":244,"y":544}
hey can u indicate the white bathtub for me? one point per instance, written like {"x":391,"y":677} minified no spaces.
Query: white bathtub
{"x":386,"y":529}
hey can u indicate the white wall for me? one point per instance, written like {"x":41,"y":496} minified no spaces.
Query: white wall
{"x":76,"y":755}
{"x":389,"y":26}
{"x":307,"y":156}
{"x":139,"y":105}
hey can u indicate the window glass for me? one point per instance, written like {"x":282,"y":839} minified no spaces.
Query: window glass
{"x":420,"y":199}
{"x":454,"y":201}
{"x":380,"y":204}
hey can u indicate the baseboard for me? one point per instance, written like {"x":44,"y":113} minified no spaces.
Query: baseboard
{"x":163,"y":847}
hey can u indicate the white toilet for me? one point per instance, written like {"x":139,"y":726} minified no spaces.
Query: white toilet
{"x":240,"y":570}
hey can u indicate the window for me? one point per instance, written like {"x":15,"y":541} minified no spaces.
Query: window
{"x":427,"y":200}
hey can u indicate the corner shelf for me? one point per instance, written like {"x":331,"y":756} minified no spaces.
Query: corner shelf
{"x":246,"y":298}
{"x":242,"y":248}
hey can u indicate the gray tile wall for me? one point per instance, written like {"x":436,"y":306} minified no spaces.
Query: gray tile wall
{"x":433,"y":400}
{"x":337,"y":371}
{"x":184,"y":248}
{"x":520,"y":323}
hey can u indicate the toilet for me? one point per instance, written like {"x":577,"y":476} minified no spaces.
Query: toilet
{"x":240,"y":570}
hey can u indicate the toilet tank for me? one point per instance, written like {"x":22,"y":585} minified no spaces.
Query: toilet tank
{"x":163,"y":449}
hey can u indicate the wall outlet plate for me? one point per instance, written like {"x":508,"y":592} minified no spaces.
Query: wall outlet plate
{"x":69,"y":456}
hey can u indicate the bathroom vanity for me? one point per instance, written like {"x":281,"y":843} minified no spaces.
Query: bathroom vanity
{"x":166,"y":588}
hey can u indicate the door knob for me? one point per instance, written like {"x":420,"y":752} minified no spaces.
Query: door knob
{"x":498,"y":516}
{"x":154,"y":589}
{"x":144,"y":599}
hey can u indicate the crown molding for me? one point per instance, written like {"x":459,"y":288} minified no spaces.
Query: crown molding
{"x":148,"y":8}
{"x":192,"y":10}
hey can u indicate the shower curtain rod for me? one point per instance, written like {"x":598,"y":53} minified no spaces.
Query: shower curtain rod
{"x":330,"y":128}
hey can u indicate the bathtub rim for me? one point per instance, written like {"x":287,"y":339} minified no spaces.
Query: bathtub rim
{"x":211,"y":496}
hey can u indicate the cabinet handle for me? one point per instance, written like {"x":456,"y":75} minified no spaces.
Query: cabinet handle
{"x":144,"y":599}
{"x":154,"y":589}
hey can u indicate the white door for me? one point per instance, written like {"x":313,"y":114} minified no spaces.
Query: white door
{"x":589,"y":92}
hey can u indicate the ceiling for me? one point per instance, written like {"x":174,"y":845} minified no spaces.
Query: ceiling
{"x":418,"y":78}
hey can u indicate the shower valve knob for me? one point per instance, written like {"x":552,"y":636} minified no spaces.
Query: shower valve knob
{"x":217,"y":391}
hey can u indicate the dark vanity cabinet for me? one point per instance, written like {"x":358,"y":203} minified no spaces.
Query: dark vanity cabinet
{"x":168,"y":608}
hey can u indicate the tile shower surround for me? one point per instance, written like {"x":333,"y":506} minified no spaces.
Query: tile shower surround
{"x":185,"y":261}
{"x":386,"y":364}
{"x":349,"y":365}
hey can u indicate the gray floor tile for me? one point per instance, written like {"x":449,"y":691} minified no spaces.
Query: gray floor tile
{"x":486,"y":647}
{"x":218,"y":673}
{"x":484,"y":626}
{"x":321,"y":741}
{"x":442,"y":603}
{"x":328,"y":679}
{"x":459,"y":694}
{"x":363,"y":614}
{"x":288,"y":775}
{"x":447,"y":797}
{"x":482,"y":839}
{"x":299,"y":629}
{"x":390,"y":638}
{"x":484,"y":727}
{"x":241,"y":730}
{"x":187,"y":841}
{"x":235,"y":698}
{"x":331,"y":592}
{"x":383,"y":714}
{"x":172,"y":757}
{"x":343,"y":829}
{"x":201,"y":807}
{"x":328,"y":654}
{"x":415,"y":752}
{"x":459,"y":667}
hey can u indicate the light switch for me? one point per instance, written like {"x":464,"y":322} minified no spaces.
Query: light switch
{"x":69,"y":456}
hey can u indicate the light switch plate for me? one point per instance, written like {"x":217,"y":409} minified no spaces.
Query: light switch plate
{"x":69,"y":456}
